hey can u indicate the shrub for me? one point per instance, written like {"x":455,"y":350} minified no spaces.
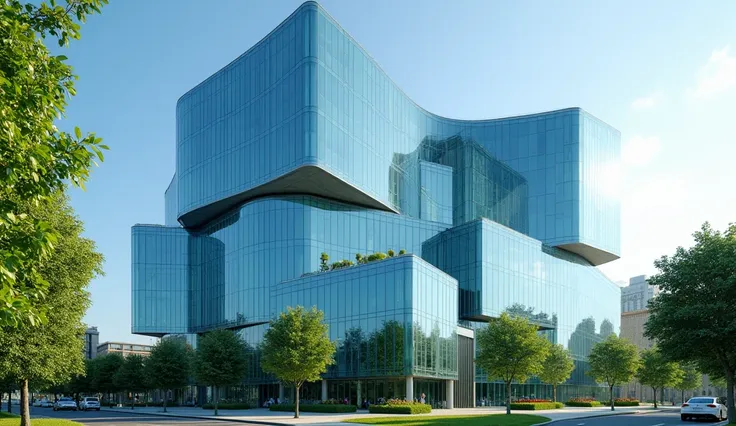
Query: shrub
{"x":626,"y":402}
{"x":390,"y":253}
{"x":375,"y":256}
{"x":535,"y":405}
{"x":402,"y":251}
{"x":315,"y":408}
{"x":228,"y":406}
{"x":408,"y":408}
{"x":532,"y":400}
{"x":583,"y":402}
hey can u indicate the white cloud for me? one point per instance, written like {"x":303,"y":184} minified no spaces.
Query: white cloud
{"x":717,"y":76}
{"x":644,"y":102}
{"x":640,"y":150}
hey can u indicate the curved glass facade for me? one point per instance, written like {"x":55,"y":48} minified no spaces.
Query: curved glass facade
{"x":303,"y":145}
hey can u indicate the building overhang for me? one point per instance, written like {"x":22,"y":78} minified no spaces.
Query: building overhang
{"x":304,"y":180}
{"x":592,"y":254}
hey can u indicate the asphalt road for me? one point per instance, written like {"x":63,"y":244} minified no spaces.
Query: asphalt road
{"x":100,"y":418}
{"x":654,"y":419}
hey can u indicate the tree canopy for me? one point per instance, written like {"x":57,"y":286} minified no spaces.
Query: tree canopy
{"x":131,"y":376}
{"x":690,"y":379}
{"x":510,"y":349}
{"x":693,"y":318}
{"x":296,"y":348}
{"x":556,"y":368}
{"x":613,"y":361}
{"x":221,"y":360}
{"x":657,"y":371}
{"x":169,"y":365}
{"x":36,"y":158}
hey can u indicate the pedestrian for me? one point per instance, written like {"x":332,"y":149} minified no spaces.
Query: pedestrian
{"x":423,"y":399}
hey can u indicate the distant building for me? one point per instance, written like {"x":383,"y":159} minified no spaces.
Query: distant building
{"x":637,"y":294}
{"x":123,"y":349}
{"x":91,"y":341}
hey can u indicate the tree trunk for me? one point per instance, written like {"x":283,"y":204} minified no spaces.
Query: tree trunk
{"x":729,"y":396}
{"x":655,"y":396}
{"x":25,"y":412}
{"x":217,"y":397}
{"x":554,"y":393}
{"x":683,"y":396}
{"x":296,"y":407}
{"x":610,"y":388}
{"x":508,"y":397}
{"x":165,"y":400}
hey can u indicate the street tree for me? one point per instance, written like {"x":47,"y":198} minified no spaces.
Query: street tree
{"x":37,"y":159}
{"x":698,"y":298}
{"x":81,"y":382}
{"x":168,"y":366}
{"x":105,"y":369}
{"x":221,"y":359}
{"x":690,"y":379}
{"x":51,"y":353}
{"x":510,"y":349}
{"x":296,"y":348}
{"x":613,"y":361}
{"x":131,"y":377}
{"x":556,"y":368}
{"x":657,"y":372}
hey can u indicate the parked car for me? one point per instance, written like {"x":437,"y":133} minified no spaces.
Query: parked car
{"x":65,"y":404}
{"x":703,"y":407}
{"x":44,"y":403}
{"x":89,"y":403}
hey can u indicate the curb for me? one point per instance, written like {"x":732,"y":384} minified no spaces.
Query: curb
{"x":182,"y":416}
{"x":600,"y":415}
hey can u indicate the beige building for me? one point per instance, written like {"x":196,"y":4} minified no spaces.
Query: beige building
{"x":632,"y":329}
{"x":123,"y":349}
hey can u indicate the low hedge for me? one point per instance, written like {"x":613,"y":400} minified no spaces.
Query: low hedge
{"x":535,"y":405}
{"x":584,"y":404}
{"x":315,"y":408}
{"x":626,"y":403}
{"x":228,"y":406}
{"x":401,"y":409}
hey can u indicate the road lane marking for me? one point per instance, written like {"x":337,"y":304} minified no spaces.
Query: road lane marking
{"x":659,"y":424}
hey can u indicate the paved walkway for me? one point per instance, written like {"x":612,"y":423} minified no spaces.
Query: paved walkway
{"x":264,"y":416}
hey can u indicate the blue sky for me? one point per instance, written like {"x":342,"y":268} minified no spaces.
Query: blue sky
{"x":663,"y":73}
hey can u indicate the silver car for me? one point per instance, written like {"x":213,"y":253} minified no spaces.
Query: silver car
{"x":703,"y":407}
{"x":89,"y":403}
{"x":65,"y":404}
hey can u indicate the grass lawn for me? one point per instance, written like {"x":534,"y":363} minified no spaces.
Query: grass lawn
{"x":492,"y":420}
{"x":14,"y":420}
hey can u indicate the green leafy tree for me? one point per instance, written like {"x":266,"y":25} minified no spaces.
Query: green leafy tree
{"x":690,"y":379}
{"x":51,"y":353}
{"x":169,"y":365}
{"x":221,"y":360}
{"x":296,"y":348}
{"x":106,"y":368}
{"x":556,"y":368}
{"x":323,"y":265}
{"x":37,"y":158}
{"x":613,"y":361}
{"x":131,"y":376}
{"x":510,"y":349}
{"x":698,"y":289}
{"x":8,"y":384}
{"x":657,"y":372}
{"x":81,"y":383}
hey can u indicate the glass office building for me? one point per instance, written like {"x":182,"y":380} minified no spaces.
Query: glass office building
{"x":303,"y":145}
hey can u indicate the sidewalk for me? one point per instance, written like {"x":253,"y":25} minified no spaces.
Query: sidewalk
{"x":264,"y":416}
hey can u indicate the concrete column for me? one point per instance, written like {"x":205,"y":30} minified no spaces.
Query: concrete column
{"x":281,"y":393}
{"x":410,"y":388}
{"x":324,"y":390}
{"x":450,"y":391}
{"x":359,"y":396}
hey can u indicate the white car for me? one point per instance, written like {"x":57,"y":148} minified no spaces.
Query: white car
{"x":65,"y":404}
{"x":89,"y":403}
{"x":703,"y":407}
{"x":45,"y":403}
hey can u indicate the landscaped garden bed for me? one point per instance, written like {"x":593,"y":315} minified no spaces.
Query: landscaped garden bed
{"x":397,"y":406}
{"x":626,"y":402}
{"x":535,"y":404}
{"x":486,"y":420}
{"x":583,"y":402}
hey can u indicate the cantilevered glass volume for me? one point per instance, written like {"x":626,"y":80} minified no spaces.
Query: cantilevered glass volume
{"x":303,"y":145}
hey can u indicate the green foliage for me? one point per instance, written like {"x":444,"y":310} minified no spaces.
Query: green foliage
{"x":105,"y":368}
{"x":657,"y":372}
{"x":221,"y":360}
{"x":168,"y":366}
{"x":296,"y":347}
{"x":613,"y":361}
{"x":487,"y":420}
{"x":40,"y":422}
{"x":228,"y":406}
{"x":691,"y":378}
{"x":402,"y":252}
{"x":341,"y":264}
{"x":510,"y":349}
{"x":536,"y":405}
{"x":37,"y":159}
{"x":50,"y":353}
{"x":315,"y":408}
{"x":375,"y":256}
{"x":583,"y":403}
{"x":358,"y":258}
{"x":626,"y":402}
{"x":390,"y":253}
{"x":131,"y":376}
{"x":692,"y":319}
{"x":557,"y":367}
{"x":413,"y":408}
{"x":323,"y":259}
